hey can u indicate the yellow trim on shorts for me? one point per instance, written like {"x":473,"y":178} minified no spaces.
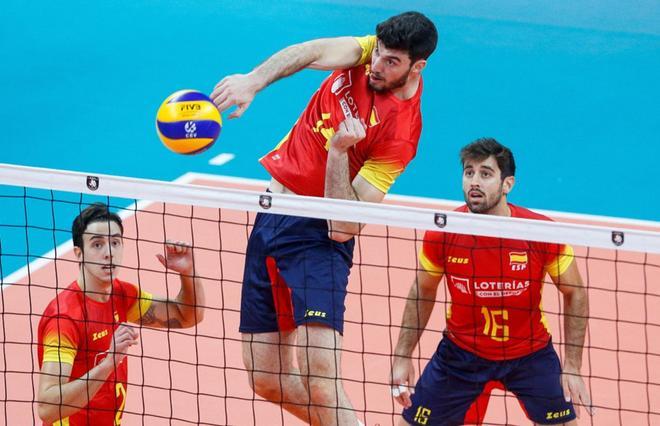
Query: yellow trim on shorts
{"x":367,"y":43}
{"x":561,"y":263}
{"x":140,"y":307}
{"x":62,"y":422}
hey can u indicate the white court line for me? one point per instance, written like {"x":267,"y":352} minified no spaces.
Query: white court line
{"x":221,"y":159}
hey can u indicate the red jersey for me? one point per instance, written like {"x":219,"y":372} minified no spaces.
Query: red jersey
{"x":495,"y":286}
{"x":393,"y":130}
{"x":77,"y":330}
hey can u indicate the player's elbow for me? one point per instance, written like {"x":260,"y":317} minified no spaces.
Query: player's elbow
{"x":48,"y":413}
{"x":343,"y":231}
{"x":198,"y":317}
{"x":340,"y":236}
{"x":193,"y":319}
{"x":573,"y":291}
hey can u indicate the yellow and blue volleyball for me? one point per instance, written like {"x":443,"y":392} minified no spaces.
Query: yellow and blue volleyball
{"x":188,"y":122}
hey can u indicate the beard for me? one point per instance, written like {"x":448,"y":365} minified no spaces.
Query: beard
{"x":485,"y":205}
{"x":391,"y":85}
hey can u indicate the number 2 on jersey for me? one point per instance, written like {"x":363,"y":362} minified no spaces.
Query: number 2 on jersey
{"x":120,"y":391}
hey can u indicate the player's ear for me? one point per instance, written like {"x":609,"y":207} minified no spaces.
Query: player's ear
{"x":507,"y":184}
{"x":77,"y":251}
{"x":418,"y":66}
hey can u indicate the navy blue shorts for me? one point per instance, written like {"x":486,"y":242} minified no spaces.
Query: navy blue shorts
{"x":294,"y":274}
{"x":455,"y":386}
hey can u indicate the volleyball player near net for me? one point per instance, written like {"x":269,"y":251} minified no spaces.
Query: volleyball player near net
{"x":496,"y":335}
{"x":83,"y":335}
{"x":354,"y":138}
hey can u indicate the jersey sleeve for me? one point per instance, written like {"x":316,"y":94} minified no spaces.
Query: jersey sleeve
{"x":60,"y":340}
{"x":138,"y":302}
{"x":559,"y":258}
{"x":386,"y":163}
{"x":431,"y":253}
{"x":367,"y":43}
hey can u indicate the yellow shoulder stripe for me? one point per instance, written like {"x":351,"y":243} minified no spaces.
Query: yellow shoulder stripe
{"x":367,"y":43}
{"x":381,"y":174}
{"x":58,"y":348}
{"x":561,"y":263}
{"x":428,"y":266}
{"x":139,"y":307}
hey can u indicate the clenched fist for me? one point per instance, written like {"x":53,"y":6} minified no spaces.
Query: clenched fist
{"x":350,"y":132}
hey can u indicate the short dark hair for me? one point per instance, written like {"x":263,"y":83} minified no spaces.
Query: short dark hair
{"x":483,"y":148}
{"x":409,"y":31}
{"x":97,"y":212}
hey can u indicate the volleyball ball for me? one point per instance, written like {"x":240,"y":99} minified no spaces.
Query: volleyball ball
{"x":188,"y":122}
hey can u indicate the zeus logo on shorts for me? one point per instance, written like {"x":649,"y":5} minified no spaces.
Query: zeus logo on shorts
{"x":315,"y":314}
{"x":552,"y":415}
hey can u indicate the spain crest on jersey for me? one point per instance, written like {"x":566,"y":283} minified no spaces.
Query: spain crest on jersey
{"x":518,"y":260}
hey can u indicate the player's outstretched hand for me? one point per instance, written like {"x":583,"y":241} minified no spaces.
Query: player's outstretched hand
{"x":575,"y":390}
{"x":402,"y":379}
{"x":350,"y":132}
{"x":123,"y":338}
{"x":178,"y":257}
{"x":238,"y":90}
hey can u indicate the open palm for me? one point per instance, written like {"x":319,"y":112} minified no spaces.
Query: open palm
{"x":178,"y":257}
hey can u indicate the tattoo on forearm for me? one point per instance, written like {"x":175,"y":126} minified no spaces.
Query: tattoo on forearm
{"x":150,"y":318}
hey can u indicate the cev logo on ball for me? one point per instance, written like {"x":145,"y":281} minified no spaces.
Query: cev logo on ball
{"x":191,"y":129}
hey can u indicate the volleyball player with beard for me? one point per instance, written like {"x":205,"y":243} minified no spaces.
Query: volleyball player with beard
{"x":355,"y":137}
{"x":496,"y":334}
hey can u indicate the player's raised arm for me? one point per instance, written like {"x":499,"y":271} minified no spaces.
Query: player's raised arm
{"x":186,"y":309}
{"x":337,"y":184}
{"x":323,"y":54}
{"x":576,"y":312}
{"x":416,"y":314}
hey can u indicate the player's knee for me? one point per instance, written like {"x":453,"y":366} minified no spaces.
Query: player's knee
{"x":267,"y":386}
{"x":322,"y":366}
{"x":322,"y":392}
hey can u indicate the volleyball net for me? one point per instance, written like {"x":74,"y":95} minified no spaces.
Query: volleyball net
{"x":197,"y":375}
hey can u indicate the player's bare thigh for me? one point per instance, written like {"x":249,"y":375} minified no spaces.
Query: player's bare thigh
{"x":269,"y":352}
{"x":319,"y":349}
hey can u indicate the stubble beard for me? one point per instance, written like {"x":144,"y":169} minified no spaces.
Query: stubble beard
{"x":484,"y":207}
{"x":391,"y":86}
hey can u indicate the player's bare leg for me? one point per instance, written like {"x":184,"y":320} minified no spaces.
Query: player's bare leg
{"x":268,"y":358}
{"x":319,"y":358}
